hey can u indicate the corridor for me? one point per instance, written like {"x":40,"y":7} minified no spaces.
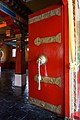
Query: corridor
{"x":14,"y":103}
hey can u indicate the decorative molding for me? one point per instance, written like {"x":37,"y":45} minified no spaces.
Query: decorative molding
{"x":48,"y":106}
{"x":38,"y":41}
{"x":45,"y":15}
{"x":50,"y":80}
{"x":74,"y":65}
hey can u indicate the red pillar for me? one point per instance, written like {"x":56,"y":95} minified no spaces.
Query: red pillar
{"x":20,"y":68}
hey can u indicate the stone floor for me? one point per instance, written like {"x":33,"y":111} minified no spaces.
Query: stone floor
{"x":14,"y":104}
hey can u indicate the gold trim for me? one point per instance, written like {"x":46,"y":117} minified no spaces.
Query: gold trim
{"x":45,"y":15}
{"x":38,"y":41}
{"x":53,"y":108}
{"x":50,"y":80}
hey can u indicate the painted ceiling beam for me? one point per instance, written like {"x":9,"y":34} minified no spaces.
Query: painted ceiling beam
{"x":3,"y":25}
{"x":19,"y":7}
{"x":11,"y":13}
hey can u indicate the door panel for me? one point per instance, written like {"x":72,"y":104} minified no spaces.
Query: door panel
{"x":46,"y":38}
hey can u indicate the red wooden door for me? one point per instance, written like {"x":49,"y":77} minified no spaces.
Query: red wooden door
{"x":46,"y":38}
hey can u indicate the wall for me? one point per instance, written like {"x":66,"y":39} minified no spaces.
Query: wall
{"x":8,"y":61}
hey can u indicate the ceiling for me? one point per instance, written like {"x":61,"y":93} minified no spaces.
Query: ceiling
{"x":36,"y":5}
{"x":3,"y":18}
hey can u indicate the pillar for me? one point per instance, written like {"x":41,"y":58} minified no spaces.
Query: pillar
{"x":20,"y":67}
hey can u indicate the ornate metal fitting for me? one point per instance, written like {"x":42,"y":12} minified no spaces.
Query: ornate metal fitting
{"x":55,"y":12}
{"x":49,"y":80}
{"x":43,"y":59}
{"x":48,"y":106}
{"x":38,"y":41}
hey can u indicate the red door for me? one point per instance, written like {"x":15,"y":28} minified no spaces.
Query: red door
{"x":46,"y":41}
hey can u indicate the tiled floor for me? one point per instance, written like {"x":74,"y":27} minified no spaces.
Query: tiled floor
{"x":14,"y":103}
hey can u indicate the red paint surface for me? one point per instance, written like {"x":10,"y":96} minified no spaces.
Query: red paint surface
{"x":55,"y":53}
{"x":18,"y":61}
{"x":66,"y":62}
{"x":20,"y":67}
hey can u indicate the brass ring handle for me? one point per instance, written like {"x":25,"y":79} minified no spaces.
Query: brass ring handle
{"x":43,"y":59}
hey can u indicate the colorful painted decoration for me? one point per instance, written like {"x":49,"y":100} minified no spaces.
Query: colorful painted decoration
{"x":8,"y":11}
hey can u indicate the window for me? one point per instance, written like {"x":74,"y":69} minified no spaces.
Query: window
{"x":13,"y":52}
